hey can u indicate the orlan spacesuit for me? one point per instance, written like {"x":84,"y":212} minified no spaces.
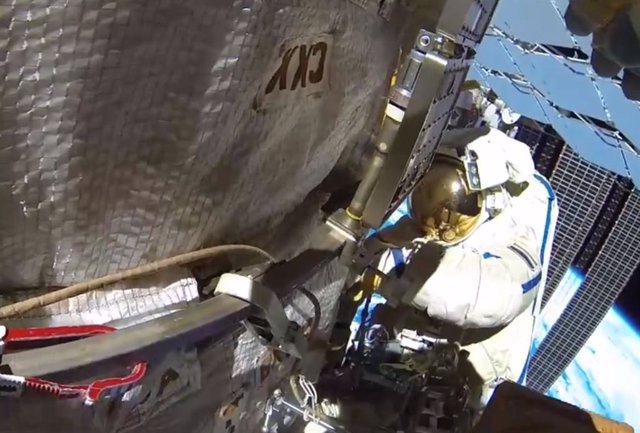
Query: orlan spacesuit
{"x":487,"y":220}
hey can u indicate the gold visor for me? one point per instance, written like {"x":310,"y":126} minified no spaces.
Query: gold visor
{"x":443,"y":205}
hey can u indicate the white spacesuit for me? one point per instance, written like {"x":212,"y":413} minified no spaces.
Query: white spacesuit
{"x":490,"y":219}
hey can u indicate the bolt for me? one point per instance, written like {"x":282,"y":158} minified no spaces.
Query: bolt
{"x":425,"y":41}
{"x":277,"y":393}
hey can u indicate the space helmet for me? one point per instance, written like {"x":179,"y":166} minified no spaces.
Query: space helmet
{"x":448,"y":203}
{"x":442,"y":203}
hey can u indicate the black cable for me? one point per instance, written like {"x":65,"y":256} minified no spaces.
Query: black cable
{"x":317,"y":310}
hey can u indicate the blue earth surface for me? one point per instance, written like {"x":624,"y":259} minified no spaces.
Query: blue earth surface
{"x":605,"y":376}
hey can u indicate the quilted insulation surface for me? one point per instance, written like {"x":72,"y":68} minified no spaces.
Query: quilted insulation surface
{"x":220,"y":387}
{"x":134,"y":130}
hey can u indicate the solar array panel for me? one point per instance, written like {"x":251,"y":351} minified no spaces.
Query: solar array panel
{"x":542,"y":71}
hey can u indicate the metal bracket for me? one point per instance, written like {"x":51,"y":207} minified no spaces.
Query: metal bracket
{"x":278,"y":411}
{"x":274,"y":327}
{"x":410,"y":100}
{"x":345,"y":227}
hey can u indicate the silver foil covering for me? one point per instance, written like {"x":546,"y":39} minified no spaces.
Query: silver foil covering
{"x":218,"y":388}
{"x":120,"y":305}
{"x":134,"y":130}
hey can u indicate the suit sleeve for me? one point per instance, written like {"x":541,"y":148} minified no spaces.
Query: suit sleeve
{"x":488,"y":287}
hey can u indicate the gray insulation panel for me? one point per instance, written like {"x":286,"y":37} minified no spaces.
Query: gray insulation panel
{"x":133,"y":130}
{"x":235,"y":371}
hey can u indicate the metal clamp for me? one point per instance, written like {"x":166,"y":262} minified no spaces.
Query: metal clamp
{"x":411,"y":340}
{"x":279,"y":410}
{"x":273,"y":327}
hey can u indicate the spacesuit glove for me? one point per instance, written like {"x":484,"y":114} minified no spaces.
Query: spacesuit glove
{"x":402,"y":234}
{"x":424,"y":262}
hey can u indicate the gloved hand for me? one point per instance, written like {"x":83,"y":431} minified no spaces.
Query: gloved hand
{"x":615,"y":25}
{"x":402,"y":233}
{"x":399,"y":235}
{"x":424,"y":262}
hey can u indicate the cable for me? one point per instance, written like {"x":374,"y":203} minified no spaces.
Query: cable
{"x":22,"y":307}
{"x":317,"y":310}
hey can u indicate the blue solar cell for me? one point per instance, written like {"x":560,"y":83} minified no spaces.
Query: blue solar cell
{"x":475,"y":73}
{"x":624,"y":113}
{"x":567,"y":84}
{"x":549,"y":111}
{"x":493,"y":54}
{"x":584,"y":43}
{"x":533,"y":21}
{"x":509,"y":56}
{"x":560,"y":80}
{"x":592,"y":144}
{"x":518,"y":98}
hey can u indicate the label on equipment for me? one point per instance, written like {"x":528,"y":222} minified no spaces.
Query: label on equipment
{"x":300,"y":69}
